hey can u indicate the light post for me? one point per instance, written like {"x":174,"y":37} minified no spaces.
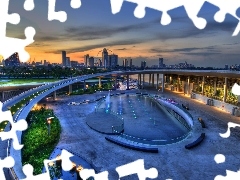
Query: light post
{"x":49,"y":122}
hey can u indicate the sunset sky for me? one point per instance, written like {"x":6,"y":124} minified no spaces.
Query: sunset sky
{"x":93,"y":27}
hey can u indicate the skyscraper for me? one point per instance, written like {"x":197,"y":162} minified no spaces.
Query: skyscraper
{"x":130,"y":63}
{"x":91,"y":62}
{"x":68,"y":63}
{"x":125,"y":62}
{"x":63,"y":58}
{"x":112,"y":60}
{"x":143,"y":64}
{"x":99,"y":63}
{"x":13,"y":60}
{"x":86,"y":60}
{"x":105,"y":57}
{"x":161,"y":65}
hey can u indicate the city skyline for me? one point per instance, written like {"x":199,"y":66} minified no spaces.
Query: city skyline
{"x":93,"y":27}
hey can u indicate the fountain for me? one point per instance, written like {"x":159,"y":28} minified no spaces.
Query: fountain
{"x":108,"y":102}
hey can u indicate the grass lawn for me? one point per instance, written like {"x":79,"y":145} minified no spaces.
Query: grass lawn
{"x":38,"y":144}
{"x":6,"y":82}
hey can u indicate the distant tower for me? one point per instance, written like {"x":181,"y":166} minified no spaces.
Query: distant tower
{"x":91,"y":62}
{"x":68,"y":63}
{"x":112,"y":60}
{"x":99,"y":63}
{"x":105,"y":57}
{"x":226,"y":66}
{"x":63,"y":58}
{"x":125,"y":62}
{"x":130,"y":63}
{"x":160,"y":63}
{"x":12,"y":60}
{"x":86,"y":60}
{"x":143,"y":64}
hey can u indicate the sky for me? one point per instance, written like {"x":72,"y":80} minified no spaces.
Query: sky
{"x":93,"y":27}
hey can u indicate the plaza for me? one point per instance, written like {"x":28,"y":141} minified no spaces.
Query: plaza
{"x":173,"y":161}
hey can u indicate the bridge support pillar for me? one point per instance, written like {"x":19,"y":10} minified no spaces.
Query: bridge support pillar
{"x":54,"y":95}
{"x":157,"y":81}
{"x":225,"y":90}
{"x":140,"y":80}
{"x":127,"y":82}
{"x":143,"y":81}
{"x":115,"y":82}
{"x":170,"y":79}
{"x":178,"y":84}
{"x":70,"y":89}
{"x":203,"y":83}
{"x":99,"y":82}
{"x":188,"y":85}
{"x":149,"y":79}
{"x":152,"y":80}
{"x":215,"y":86}
{"x":163,"y":82}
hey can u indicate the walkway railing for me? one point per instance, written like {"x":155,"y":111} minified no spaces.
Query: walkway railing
{"x":154,"y":142}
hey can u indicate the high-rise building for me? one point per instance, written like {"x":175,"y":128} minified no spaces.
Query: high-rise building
{"x":99,"y":63}
{"x":64,"y":58}
{"x":105,"y":57}
{"x":130,"y":64}
{"x":143,"y":64}
{"x":13,"y":60}
{"x":112,"y":60}
{"x":161,"y":65}
{"x":86,"y":60}
{"x":91,"y":62}
{"x":74,"y":63}
{"x":226,"y":66}
{"x":45,"y":62}
{"x":125,"y":62}
{"x":68,"y":63}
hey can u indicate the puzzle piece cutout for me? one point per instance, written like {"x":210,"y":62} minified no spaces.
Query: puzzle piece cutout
{"x":137,"y":167}
{"x":6,"y":46}
{"x":20,"y":125}
{"x":230,"y":175}
{"x":60,"y":15}
{"x":8,"y":162}
{"x":29,"y":5}
{"x":66,"y":166}
{"x":192,"y":8}
{"x":86,"y":173}
{"x":236,"y":89}
{"x":227,"y":134}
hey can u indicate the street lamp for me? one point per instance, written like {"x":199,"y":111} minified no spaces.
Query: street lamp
{"x":49,"y":122}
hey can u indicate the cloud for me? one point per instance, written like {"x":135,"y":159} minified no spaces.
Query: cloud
{"x":188,"y":49}
{"x":189,"y":31}
{"x":201,"y":53}
{"x":82,"y":33}
{"x":95,"y":46}
{"x":121,"y":49}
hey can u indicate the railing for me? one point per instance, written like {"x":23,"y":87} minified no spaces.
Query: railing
{"x":175,"y":114}
{"x":154,"y":142}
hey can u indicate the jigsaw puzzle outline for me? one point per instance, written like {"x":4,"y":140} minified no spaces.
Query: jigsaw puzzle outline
{"x":191,"y":8}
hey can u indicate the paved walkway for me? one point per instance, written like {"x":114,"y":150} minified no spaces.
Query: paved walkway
{"x":173,"y":161}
